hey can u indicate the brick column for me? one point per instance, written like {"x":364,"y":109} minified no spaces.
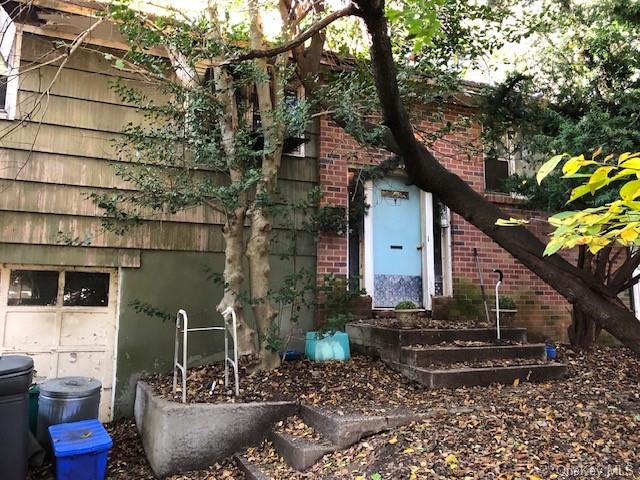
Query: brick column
{"x":332,"y":250}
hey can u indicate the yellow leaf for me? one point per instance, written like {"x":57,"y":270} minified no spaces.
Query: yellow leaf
{"x":393,"y":440}
{"x":548,"y":167}
{"x":629,"y":234}
{"x":533,"y":477}
{"x":630,"y":190}
{"x":516,"y":382}
{"x":408,"y":450}
{"x":632,"y":163}
{"x":360,"y":477}
{"x":451,"y":458}
{"x":578,"y":192}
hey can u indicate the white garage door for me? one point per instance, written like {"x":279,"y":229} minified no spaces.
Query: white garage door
{"x":65,"y":318}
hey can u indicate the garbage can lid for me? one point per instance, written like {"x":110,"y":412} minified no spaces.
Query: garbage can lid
{"x":69,"y":387}
{"x":11,"y":364}
{"x":77,"y":438}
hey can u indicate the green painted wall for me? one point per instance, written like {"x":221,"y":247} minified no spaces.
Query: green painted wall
{"x":169,"y":281}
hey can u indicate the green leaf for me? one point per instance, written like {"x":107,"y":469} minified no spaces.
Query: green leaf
{"x":376,"y":476}
{"x":553,"y":246}
{"x":119,"y":64}
{"x":548,"y":167}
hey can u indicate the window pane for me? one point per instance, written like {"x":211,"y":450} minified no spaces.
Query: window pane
{"x":86,"y":289}
{"x":33,"y":287}
{"x":495,"y":173}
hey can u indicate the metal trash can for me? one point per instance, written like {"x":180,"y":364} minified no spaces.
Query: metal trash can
{"x":15,"y":378}
{"x":66,"y":400}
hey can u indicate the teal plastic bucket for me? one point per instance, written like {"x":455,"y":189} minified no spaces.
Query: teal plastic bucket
{"x":327,"y":347}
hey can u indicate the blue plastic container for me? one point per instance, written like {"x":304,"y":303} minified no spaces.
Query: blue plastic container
{"x":552,"y":353}
{"x":328,"y":347}
{"x":81,"y":450}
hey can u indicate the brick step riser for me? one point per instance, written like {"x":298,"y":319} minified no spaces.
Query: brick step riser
{"x":429,"y":356}
{"x":480,"y":377}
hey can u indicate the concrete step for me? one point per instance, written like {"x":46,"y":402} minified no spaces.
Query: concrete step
{"x":449,"y":335}
{"x":250,"y":470}
{"x":345,"y":430}
{"x":424,"y":356}
{"x":482,"y":376}
{"x":300,"y":453}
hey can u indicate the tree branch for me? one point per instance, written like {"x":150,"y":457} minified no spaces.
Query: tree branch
{"x":300,"y":39}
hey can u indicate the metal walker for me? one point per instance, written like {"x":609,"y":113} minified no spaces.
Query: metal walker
{"x":182,"y":331}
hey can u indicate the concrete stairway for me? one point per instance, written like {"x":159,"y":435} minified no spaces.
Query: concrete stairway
{"x":457,"y":357}
{"x":337,"y":432}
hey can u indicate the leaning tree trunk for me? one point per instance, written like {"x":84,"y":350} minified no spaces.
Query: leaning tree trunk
{"x":577,"y":286}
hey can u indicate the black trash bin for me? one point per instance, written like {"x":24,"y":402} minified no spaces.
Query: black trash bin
{"x":15,"y":378}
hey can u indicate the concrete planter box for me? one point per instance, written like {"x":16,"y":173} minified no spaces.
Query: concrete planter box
{"x":181,"y":437}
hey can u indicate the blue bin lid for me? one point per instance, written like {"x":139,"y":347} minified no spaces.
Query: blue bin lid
{"x":86,"y":436}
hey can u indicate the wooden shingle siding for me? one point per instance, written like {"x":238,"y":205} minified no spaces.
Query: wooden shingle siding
{"x":64,"y":151}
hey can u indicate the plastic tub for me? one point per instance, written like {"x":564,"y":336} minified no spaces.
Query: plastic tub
{"x":15,"y":377}
{"x":65,"y":400}
{"x":81,"y":450}
{"x":327,"y":347}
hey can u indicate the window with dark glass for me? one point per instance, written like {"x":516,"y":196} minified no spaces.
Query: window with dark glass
{"x":33,"y":287}
{"x":495,"y":173}
{"x":86,"y":289}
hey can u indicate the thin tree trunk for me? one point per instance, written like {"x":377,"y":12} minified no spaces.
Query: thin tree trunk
{"x":270,"y":93}
{"x":577,"y":286}
{"x":583,"y":332}
{"x":233,"y":275}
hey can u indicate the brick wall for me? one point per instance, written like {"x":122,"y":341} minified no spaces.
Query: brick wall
{"x":543,"y":311}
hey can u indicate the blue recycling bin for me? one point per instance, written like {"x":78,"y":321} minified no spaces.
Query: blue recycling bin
{"x":80,"y":450}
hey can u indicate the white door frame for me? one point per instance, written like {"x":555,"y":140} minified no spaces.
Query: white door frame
{"x":428,"y":267}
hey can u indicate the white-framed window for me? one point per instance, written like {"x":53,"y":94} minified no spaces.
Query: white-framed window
{"x":10,"y":43}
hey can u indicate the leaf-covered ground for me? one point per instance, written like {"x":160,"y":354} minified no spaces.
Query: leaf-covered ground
{"x":587,"y":426}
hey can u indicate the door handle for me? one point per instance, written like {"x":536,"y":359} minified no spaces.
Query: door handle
{"x":419,"y":247}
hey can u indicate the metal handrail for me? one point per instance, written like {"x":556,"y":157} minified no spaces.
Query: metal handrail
{"x":182,"y":331}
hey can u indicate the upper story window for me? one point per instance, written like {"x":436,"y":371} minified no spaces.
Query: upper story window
{"x":10,"y":42}
{"x":503,"y":162}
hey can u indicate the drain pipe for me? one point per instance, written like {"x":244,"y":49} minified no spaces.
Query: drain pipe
{"x":499,"y":272}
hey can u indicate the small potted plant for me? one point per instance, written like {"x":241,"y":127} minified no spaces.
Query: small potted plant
{"x":407,"y":314}
{"x":508,"y":310}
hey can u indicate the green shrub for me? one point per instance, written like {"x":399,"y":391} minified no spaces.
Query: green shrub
{"x":507,"y":303}
{"x":406,"y":305}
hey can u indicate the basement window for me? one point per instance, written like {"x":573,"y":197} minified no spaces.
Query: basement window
{"x":42,"y":288}
{"x":10,"y":42}
{"x":33,"y":287}
{"x":86,"y":289}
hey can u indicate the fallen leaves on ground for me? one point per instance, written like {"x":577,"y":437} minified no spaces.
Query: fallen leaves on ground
{"x":586,"y":426}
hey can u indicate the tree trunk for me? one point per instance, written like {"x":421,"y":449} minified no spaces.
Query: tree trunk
{"x":583,"y":331}
{"x":233,"y":234}
{"x":577,"y":286}
{"x":270,"y":93}
{"x":258,"y":250}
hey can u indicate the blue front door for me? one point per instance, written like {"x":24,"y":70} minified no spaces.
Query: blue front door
{"x":397,"y":243}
